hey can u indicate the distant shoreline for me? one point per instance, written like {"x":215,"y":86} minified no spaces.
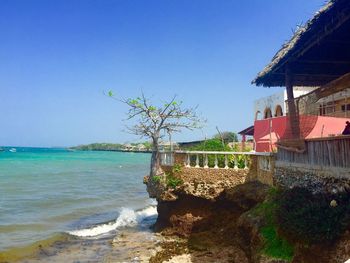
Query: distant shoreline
{"x":103,"y":150}
{"x":115,"y":147}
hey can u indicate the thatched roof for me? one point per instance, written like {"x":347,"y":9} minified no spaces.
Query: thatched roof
{"x":317,"y":53}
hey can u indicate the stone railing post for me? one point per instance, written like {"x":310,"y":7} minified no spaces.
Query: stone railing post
{"x":246,"y":162}
{"x":188,"y":160}
{"x":216,"y":162}
{"x":236,"y":162}
{"x":206,"y":161}
{"x":197,"y":161}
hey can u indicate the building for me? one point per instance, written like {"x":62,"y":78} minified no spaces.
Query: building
{"x":271,"y":117}
{"x":128,"y":147}
{"x":318,"y":55}
{"x":168,"y":145}
{"x":141,"y":147}
{"x":276,"y":105}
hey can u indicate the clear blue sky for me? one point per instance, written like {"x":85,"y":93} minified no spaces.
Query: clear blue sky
{"x":56,"y":58}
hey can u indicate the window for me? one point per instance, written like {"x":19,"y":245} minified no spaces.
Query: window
{"x":345,"y":107}
{"x":326,"y":109}
{"x":278,"y":111}
{"x":268,"y":113}
{"x":258,"y":115}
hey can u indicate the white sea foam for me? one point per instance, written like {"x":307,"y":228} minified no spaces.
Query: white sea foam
{"x":127,"y":217}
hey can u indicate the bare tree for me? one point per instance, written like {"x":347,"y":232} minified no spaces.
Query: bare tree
{"x":155,"y":122}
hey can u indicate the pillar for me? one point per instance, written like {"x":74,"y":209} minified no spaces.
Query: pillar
{"x":293,"y":116}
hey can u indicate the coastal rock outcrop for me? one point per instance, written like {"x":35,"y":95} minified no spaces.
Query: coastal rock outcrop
{"x":209,"y":213}
{"x":217,"y":219}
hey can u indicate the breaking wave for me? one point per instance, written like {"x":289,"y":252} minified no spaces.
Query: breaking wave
{"x":126,"y":218}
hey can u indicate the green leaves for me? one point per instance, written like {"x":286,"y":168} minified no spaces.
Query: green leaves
{"x":152,"y":108}
{"x":172,"y":181}
{"x":135,"y":102}
{"x":110,"y":93}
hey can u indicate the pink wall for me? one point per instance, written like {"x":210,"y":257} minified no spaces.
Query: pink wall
{"x":310,"y":126}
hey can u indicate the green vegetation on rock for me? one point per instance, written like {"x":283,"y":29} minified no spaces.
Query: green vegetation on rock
{"x":299,"y":217}
{"x":311,"y":218}
{"x":275,"y":246}
{"x":157,"y":178}
{"x":172,"y":181}
{"x":177,"y":168}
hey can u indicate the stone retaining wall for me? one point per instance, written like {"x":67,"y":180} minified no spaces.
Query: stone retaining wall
{"x":317,"y":179}
{"x":260,"y":173}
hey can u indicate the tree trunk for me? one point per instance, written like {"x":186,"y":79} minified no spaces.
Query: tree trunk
{"x":155,"y":159}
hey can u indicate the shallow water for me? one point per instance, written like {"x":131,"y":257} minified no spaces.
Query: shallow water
{"x":47,"y":192}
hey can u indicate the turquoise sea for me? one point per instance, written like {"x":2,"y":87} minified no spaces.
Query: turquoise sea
{"x":47,"y":191}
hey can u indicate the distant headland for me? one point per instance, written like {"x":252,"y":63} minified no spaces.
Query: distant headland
{"x":144,"y":147}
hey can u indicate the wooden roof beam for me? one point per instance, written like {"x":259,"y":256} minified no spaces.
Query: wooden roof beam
{"x":334,"y":86}
{"x":309,"y":75}
{"x":308,"y":61}
{"x":337,"y":85}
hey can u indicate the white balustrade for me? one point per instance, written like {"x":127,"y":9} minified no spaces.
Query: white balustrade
{"x":212,"y":159}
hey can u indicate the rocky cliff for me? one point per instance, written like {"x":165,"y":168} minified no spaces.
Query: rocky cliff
{"x":209,"y":213}
{"x":214,"y":219}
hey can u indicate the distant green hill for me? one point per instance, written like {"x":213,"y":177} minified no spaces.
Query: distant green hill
{"x":135,"y":147}
{"x":99,"y":147}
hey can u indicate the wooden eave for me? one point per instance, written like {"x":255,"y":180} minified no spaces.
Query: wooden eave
{"x":248,"y":131}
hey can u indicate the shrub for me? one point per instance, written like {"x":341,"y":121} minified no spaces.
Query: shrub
{"x":172,"y":181}
{"x":210,"y":145}
{"x":310,"y":218}
{"x":240,"y":161}
{"x":157,"y":178}
{"x":177,"y":168}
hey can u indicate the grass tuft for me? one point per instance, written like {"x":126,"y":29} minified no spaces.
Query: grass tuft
{"x":275,"y":246}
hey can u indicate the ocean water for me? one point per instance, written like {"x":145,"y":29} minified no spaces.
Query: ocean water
{"x":47,"y":192}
